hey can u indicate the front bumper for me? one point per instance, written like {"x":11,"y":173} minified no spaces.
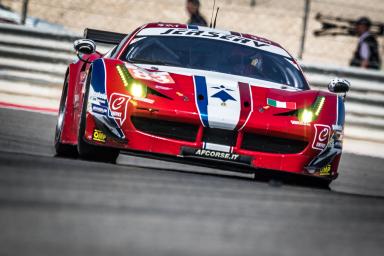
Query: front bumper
{"x":187,"y":146}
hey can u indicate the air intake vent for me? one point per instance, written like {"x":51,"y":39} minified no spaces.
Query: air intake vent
{"x":220,"y":136}
{"x":166,"y":129}
{"x":269,"y":144}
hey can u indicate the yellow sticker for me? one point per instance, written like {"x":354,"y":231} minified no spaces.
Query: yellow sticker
{"x":99,"y":136}
{"x":325,"y":171}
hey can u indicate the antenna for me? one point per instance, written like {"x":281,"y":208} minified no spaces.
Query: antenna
{"x":217,"y":11}
{"x":213,"y":10}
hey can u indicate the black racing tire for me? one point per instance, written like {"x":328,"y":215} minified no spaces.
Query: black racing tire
{"x":317,"y":182}
{"x":325,"y":183}
{"x":88,"y":151}
{"x":65,"y":150}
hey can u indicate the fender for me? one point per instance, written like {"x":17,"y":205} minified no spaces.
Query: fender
{"x":69,"y":134}
{"x":98,"y":97}
{"x":77,"y":74}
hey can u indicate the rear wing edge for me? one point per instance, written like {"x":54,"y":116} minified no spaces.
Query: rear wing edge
{"x":105,"y":37}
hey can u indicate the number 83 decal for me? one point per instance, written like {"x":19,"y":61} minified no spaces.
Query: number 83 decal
{"x":159,"y":77}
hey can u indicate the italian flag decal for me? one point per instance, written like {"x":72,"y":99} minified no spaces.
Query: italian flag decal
{"x":281,"y":104}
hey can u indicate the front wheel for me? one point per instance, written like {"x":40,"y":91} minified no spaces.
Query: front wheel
{"x":88,"y":151}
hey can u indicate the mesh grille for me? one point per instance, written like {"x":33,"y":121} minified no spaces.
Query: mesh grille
{"x":220,"y":136}
{"x":269,"y":144}
{"x":166,"y":129}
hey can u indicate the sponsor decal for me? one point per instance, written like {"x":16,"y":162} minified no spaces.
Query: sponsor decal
{"x":99,"y":136}
{"x":162,"y":77}
{"x":281,"y":104}
{"x":321,"y":136}
{"x":212,"y":94}
{"x":296,"y":122}
{"x":150,"y":101}
{"x":158,"y":77}
{"x":337,"y":127}
{"x":325,"y":171}
{"x":202,"y":32}
{"x":118,"y":106}
{"x":160,"y":87}
{"x":217,"y":154}
{"x":214,"y":34}
{"x":101,"y":101}
{"x":99,"y":109}
{"x":223,"y":95}
{"x":97,"y":97}
{"x":168,"y":25}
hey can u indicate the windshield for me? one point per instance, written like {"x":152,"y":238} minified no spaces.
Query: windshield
{"x":215,"y":55}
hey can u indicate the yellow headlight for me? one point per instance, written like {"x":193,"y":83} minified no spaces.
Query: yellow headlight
{"x":306,"y":116}
{"x":138,"y":90}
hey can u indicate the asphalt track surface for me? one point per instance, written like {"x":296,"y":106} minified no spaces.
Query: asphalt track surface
{"x":56,"y":206}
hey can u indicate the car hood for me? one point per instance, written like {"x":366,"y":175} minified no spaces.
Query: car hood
{"x":226,"y":101}
{"x":214,"y":99}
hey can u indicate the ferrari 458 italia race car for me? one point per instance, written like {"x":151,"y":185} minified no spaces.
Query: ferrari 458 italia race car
{"x":200,"y":93}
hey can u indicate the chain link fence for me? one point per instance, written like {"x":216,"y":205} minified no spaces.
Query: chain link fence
{"x":278,"y":20}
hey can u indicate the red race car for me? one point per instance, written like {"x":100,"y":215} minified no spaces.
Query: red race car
{"x":200,"y":93}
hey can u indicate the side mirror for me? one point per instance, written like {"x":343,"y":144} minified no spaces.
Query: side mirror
{"x":84,"y":46}
{"x":338,"y":85}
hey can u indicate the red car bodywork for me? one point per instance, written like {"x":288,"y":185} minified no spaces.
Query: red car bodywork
{"x":175,"y":102}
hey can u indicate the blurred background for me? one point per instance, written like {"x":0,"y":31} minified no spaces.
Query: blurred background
{"x":278,"y":20}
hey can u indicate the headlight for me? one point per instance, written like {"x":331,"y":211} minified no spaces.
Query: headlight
{"x":306,"y":116}
{"x":137,"y":89}
{"x":310,"y":114}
